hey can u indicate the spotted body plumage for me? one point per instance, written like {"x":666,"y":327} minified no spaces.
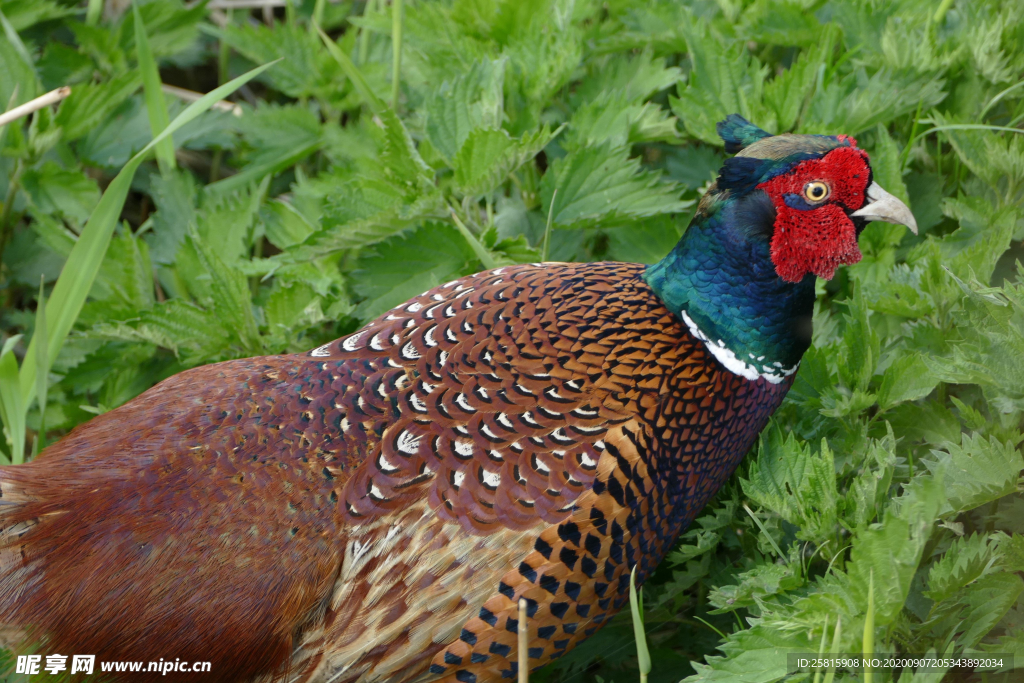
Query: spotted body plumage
{"x":547,"y":427}
{"x":373,"y":511}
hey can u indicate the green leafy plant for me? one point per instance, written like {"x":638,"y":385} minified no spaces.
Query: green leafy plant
{"x":393,"y":146}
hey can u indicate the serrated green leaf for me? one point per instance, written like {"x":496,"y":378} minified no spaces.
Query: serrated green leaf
{"x":408,"y":265}
{"x":603,"y":184}
{"x":967,"y":560}
{"x":55,"y":190}
{"x":907,"y":379}
{"x":488,"y":156}
{"x":89,"y":104}
{"x":795,"y":483}
{"x":978,"y":470}
{"x":471,"y":101}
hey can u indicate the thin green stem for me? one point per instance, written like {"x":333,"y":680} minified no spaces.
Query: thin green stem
{"x":547,"y":229}
{"x":995,"y":100}
{"x":92,"y":13}
{"x":224,"y":53}
{"x":940,"y":13}
{"x":710,"y":626}
{"x":397,"y":10}
{"x":764,"y":531}
{"x":913,"y":132}
{"x":364,"y":35}
{"x":480,"y":250}
{"x":6,"y":227}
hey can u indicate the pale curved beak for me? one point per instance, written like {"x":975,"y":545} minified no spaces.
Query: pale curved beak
{"x":882,"y":206}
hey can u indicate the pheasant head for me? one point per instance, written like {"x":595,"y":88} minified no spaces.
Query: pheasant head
{"x":784,"y":210}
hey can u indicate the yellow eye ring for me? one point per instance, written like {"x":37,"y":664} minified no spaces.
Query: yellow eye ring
{"x":816,"y":191}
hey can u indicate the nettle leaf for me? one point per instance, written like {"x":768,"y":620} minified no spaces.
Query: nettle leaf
{"x":725,"y":80}
{"x":15,"y":73}
{"x":175,"y":197}
{"x":230,"y":298}
{"x":64,"y":192}
{"x":755,"y":585}
{"x":473,"y":100}
{"x":25,"y":13}
{"x":986,"y":601}
{"x":604,"y":184}
{"x":634,"y":78}
{"x":304,"y":68}
{"x":611,"y":118}
{"x":646,"y":241}
{"x":968,"y":559}
{"x":539,"y":66}
{"x":977,"y":471}
{"x":225,"y":222}
{"x":858,"y":102}
{"x":780,"y":23}
{"x":171,"y":26}
{"x":754,"y":655}
{"x":488,"y":156}
{"x":867,"y":494}
{"x":289,"y":303}
{"x":126,"y":275}
{"x":907,"y":379}
{"x":860,"y":348}
{"x":400,"y":161}
{"x":279,"y":136}
{"x":795,"y":483}
{"x":787,"y":93}
{"x":887,"y":555}
{"x":705,"y":541}
{"x":409,"y":264}
{"x":195,"y":335}
{"x":90,"y":103}
{"x":118,"y":137}
{"x":283,"y":225}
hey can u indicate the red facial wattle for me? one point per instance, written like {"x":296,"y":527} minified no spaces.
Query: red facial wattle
{"x":814,"y":237}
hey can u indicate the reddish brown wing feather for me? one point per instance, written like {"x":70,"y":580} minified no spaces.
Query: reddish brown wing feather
{"x":161,"y":530}
{"x":386,"y":499}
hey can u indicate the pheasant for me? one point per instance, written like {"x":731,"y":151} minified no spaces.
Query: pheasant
{"x":375,"y":509}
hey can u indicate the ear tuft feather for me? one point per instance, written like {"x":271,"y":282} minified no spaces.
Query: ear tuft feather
{"x":738,"y":133}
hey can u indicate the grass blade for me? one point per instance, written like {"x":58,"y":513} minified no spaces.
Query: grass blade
{"x":547,"y":228}
{"x":352,"y":71}
{"x":821,"y":649}
{"x":84,"y":262}
{"x":836,"y":639}
{"x":637,"y":612}
{"x":156,"y":107}
{"x":396,"y":50}
{"x":480,"y":250}
{"x":868,"y":643}
{"x":92,"y":13}
{"x":42,"y":369}
{"x":12,"y":409}
{"x":15,"y":40}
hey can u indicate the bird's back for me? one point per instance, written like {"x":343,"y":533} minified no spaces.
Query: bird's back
{"x":374,"y":509}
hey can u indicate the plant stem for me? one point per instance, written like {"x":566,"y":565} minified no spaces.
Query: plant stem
{"x":5,"y":218}
{"x":92,"y":13}
{"x":396,"y":50}
{"x":223,"y":53}
{"x":364,"y":35}
{"x":547,"y":228}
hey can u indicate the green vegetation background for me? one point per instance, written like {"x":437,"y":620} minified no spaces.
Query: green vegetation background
{"x":887,"y":487}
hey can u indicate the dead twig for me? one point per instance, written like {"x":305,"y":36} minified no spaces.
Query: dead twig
{"x":35,"y":105}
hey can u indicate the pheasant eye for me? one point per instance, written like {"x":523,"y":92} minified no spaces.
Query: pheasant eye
{"x":816,"y":191}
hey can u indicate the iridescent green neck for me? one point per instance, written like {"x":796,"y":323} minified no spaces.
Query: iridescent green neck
{"x":721,"y":282}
